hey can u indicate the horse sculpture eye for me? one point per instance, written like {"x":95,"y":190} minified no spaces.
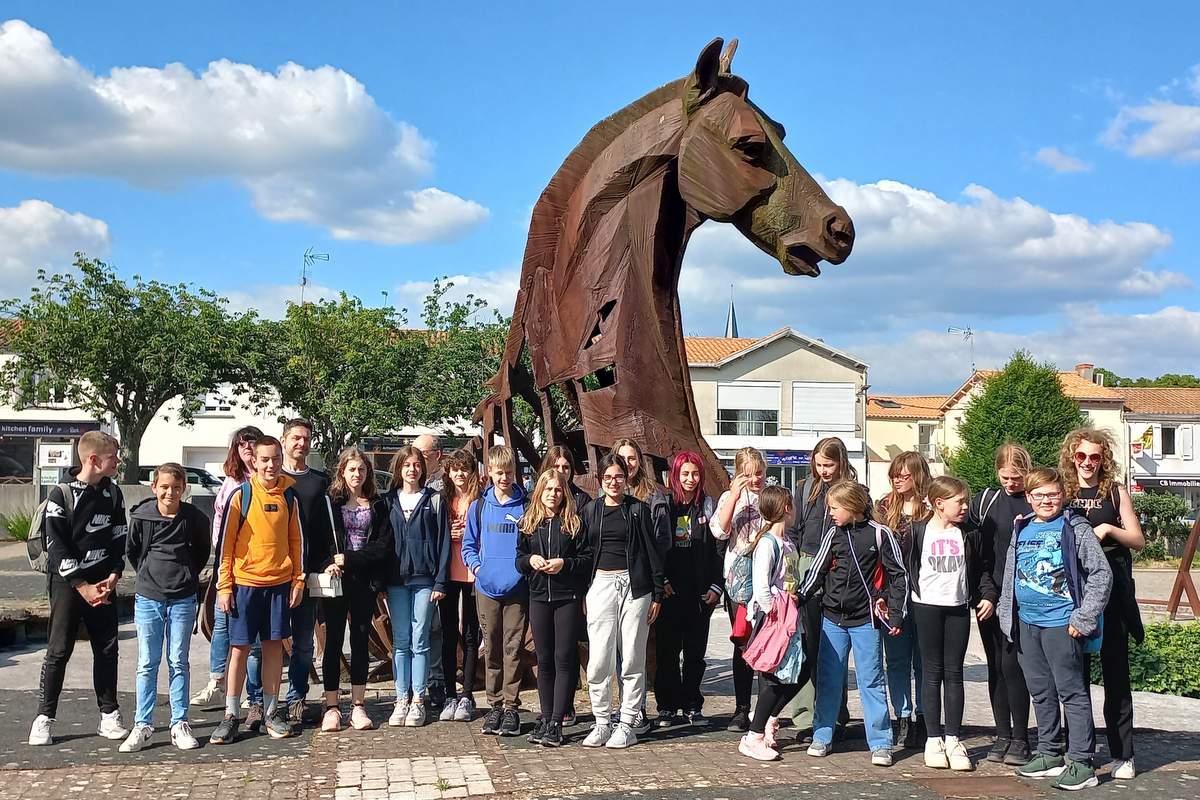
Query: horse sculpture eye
{"x":754,"y":150}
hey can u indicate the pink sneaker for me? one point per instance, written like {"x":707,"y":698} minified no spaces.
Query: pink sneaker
{"x":753,"y":746}
{"x":331,"y":721}
{"x":771,"y":732}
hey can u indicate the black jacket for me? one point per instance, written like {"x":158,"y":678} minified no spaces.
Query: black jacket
{"x":850,"y":590}
{"x":696,"y":557}
{"x":311,"y":487}
{"x":368,"y":565}
{"x":645,"y":567}
{"x":549,"y":541}
{"x":90,"y":545}
{"x":421,"y":545}
{"x":980,"y":585}
{"x":993,"y":512}
{"x":167,"y":553}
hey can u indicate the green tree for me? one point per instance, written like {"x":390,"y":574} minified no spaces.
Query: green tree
{"x":349,"y":369}
{"x":121,"y":349}
{"x":1022,"y":403}
{"x":1171,"y":380}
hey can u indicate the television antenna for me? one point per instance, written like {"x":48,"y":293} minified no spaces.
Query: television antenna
{"x":307,"y":262}
{"x":968,"y":336}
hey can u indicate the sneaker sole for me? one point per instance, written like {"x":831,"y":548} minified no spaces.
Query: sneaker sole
{"x":744,"y":751}
{"x":508,"y":733}
{"x":937,"y":764}
{"x":997,"y":758}
{"x":221,"y":741}
{"x":1053,"y":772}
{"x":279,"y":734}
{"x":817,"y":753}
{"x":32,"y":743}
{"x":1088,"y":784}
{"x":1015,"y":761}
{"x":185,"y":747}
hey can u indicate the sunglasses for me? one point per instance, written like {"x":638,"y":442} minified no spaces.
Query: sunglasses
{"x":1093,"y":459}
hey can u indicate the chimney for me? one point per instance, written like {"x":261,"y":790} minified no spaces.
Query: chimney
{"x":1086,"y":371}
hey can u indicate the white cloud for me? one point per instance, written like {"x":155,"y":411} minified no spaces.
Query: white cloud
{"x":311,"y":145}
{"x":36,"y":234}
{"x":498,"y":288}
{"x":1160,"y":128}
{"x":1061,"y":162}
{"x":924,"y":258}
{"x":1136,"y":345}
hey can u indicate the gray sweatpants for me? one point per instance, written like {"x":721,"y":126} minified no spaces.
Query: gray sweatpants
{"x":1053,"y":663}
{"x":616,"y":626}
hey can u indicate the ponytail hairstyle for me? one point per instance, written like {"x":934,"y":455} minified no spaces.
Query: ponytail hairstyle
{"x":1108,"y":474}
{"x":535,"y":515}
{"x":850,"y":495}
{"x":638,"y":484}
{"x":460,"y":459}
{"x":677,"y":493}
{"x":775,"y":505}
{"x":946,"y":487}
{"x":891,"y":507}
{"x":834,"y":449}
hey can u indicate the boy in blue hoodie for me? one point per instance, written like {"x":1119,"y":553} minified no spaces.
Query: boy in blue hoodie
{"x":489,"y":549}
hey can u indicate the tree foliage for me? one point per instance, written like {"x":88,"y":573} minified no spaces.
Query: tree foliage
{"x":348,"y":369}
{"x":122,"y":349}
{"x":1023,"y":403}
{"x":1171,"y":380}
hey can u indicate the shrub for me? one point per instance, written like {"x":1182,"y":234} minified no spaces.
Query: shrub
{"x":18,"y":524}
{"x":1165,"y":662}
{"x":1161,"y":515}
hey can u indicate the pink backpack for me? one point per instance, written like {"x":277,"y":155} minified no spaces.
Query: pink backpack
{"x":769,"y":643}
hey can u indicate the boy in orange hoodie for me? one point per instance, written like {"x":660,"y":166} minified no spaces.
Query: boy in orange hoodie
{"x":260,"y":579}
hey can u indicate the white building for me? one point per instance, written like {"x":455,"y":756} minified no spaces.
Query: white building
{"x":1163,"y":426}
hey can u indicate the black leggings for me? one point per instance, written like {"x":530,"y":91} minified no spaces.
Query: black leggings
{"x":1114,"y":663}
{"x":556,"y":641}
{"x":743,"y":676}
{"x":356,"y":606}
{"x":943,"y":632}
{"x":448,"y":609}
{"x":1006,"y":682}
{"x":773,"y":697}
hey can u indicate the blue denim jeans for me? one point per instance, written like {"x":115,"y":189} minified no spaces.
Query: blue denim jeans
{"x":159,"y":622}
{"x":836,"y":644}
{"x":304,"y":623}
{"x":218,"y":657}
{"x":903,"y":656}
{"x":411,"y":613}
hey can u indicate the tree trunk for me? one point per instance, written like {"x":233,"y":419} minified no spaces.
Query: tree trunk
{"x":131,"y":434}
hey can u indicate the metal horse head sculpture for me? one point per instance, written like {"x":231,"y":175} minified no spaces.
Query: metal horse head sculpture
{"x":598,"y":307}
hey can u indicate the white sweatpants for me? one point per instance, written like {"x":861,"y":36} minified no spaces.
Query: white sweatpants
{"x":617,"y":630}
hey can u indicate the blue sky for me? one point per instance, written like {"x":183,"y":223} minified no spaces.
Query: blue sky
{"x":1032,"y":172}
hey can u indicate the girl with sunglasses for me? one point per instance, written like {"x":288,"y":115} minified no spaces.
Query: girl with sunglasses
{"x":1093,"y":487}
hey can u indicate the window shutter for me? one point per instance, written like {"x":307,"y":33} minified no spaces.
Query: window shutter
{"x":1156,"y":449}
{"x":823,"y":407}
{"x":1185,"y":441}
{"x":748,"y":396}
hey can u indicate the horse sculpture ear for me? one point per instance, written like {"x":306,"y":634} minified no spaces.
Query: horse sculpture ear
{"x":702,"y":83}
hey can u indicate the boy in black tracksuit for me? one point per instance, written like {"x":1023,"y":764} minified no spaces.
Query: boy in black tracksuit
{"x":85,"y":544}
{"x":692,"y":587}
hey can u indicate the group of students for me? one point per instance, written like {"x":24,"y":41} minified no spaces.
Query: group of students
{"x":1043,"y":563}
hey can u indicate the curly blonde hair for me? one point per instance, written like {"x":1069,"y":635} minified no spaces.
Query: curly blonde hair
{"x":1108,"y":474}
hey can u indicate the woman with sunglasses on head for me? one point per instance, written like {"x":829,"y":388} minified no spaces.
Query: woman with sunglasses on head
{"x":993,"y":513}
{"x":239,"y":466}
{"x":1093,"y":487}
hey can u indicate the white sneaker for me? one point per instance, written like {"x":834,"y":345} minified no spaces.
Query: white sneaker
{"x":213,"y":692}
{"x":40,"y":733}
{"x":1121,"y":770}
{"x":181,"y":736}
{"x":415,"y":717}
{"x":956,"y":754}
{"x":399,"y":714}
{"x":599,"y":736}
{"x":622,"y":737}
{"x":139,"y":737}
{"x":882,"y":757}
{"x":935,"y":753}
{"x":110,"y":726}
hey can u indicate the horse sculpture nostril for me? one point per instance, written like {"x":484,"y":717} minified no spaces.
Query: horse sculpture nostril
{"x":839,"y":231}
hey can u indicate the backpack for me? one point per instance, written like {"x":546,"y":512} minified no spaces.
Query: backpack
{"x":35,"y":546}
{"x":247,"y":489}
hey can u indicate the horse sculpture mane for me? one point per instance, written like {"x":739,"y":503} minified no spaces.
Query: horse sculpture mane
{"x":597,"y":313}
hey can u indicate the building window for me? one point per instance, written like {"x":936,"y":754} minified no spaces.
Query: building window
{"x":215,"y":403}
{"x":823,"y":407}
{"x":925,"y":444}
{"x":747,"y":422}
{"x":1168,"y":441}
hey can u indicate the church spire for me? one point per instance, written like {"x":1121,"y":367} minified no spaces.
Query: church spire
{"x":731,"y":331}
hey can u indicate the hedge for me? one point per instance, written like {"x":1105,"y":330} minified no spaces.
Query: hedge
{"x":1167,"y":662}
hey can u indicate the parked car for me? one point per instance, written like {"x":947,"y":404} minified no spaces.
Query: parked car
{"x":200,"y":481}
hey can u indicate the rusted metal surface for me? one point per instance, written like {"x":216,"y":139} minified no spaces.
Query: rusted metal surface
{"x":598,"y":307}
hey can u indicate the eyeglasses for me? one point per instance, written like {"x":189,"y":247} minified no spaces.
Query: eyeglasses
{"x":1089,"y":458}
{"x":613,"y":479}
{"x":1045,"y":497}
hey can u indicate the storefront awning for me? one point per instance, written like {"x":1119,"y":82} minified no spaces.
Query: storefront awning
{"x":1172,"y":482}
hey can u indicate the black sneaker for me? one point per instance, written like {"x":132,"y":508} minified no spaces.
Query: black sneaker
{"x":278,"y":725}
{"x":539,"y":732}
{"x":1018,"y":753}
{"x":510,"y":723}
{"x":226,"y":731}
{"x":665,"y":719}
{"x":903,"y":731}
{"x":922,"y":733}
{"x":999,"y":751}
{"x":437,"y":695}
{"x":912,"y":739}
{"x":570,"y":718}
{"x":804,"y":737}
{"x":552,"y":736}
{"x":254,"y":717}
{"x":740,"y":721}
{"x":697,"y":719}
{"x":642,"y":723}
{"x":491,"y":723}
